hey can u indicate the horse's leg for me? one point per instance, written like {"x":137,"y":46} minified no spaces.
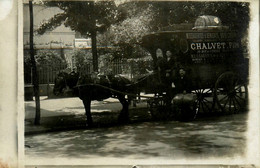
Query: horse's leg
{"x":137,"y":98}
{"x":124,"y":114}
{"x":87,"y":105}
{"x":132,"y":100}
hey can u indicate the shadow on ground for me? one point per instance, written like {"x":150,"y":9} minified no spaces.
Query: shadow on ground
{"x":72,"y":121}
{"x":216,"y":137}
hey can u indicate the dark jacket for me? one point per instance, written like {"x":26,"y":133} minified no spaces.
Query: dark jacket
{"x":182,"y":84}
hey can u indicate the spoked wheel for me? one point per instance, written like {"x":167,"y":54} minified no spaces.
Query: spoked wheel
{"x":205,"y":102}
{"x":231,"y":93}
{"x":158,"y":108}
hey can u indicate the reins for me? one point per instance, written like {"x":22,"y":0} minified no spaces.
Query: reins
{"x":113,"y":90}
{"x":145,"y":77}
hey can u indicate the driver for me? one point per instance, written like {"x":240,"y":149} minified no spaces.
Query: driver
{"x":182,"y":82}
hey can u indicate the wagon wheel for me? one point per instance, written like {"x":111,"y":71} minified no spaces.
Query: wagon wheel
{"x":158,"y":108}
{"x":231,"y":93}
{"x":205,"y":100}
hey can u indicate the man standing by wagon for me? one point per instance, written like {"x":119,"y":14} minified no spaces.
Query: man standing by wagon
{"x":183,"y":103}
{"x":181,"y":82}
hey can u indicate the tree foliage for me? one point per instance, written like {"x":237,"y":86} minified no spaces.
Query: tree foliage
{"x":233,"y":14}
{"x":49,"y":58}
{"x":124,"y":25}
{"x":143,"y":17}
{"x":46,"y":58}
{"x":127,"y":34}
{"x":85,"y":17}
{"x":81,"y":59}
{"x":82,"y":16}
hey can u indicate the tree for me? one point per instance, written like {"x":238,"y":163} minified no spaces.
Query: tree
{"x":34,"y":70}
{"x":233,"y":14}
{"x":127,"y":34}
{"x":86,"y":17}
{"x":143,"y":17}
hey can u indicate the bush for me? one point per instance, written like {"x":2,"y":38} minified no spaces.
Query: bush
{"x":46,"y":58}
{"x":82,"y":60}
{"x":50,"y":59}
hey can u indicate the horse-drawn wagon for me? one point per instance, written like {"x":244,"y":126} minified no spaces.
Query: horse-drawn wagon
{"x":200,"y":70}
{"x":213,"y":59}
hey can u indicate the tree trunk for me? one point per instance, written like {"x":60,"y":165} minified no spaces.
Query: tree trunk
{"x":94,"y":39}
{"x":34,"y":70}
{"x":94,"y":50}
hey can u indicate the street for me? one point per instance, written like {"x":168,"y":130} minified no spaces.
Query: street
{"x":216,"y":137}
{"x":68,"y":106}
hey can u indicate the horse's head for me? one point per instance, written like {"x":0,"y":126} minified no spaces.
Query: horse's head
{"x":72,"y":80}
{"x":60,"y":83}
{"x":84,"y":79}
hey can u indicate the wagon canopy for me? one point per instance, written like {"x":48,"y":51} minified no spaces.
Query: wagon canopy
{"x":207,"y":42}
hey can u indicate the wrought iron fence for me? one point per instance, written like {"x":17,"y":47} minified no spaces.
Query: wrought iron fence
{"x":46,"y":73}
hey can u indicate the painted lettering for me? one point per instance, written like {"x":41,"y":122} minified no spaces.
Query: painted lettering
{"x":213,"y":45}
{"x":218,"y":46}
{"x":204,"y":47}
{"x":233,"y":45}
{"x":198,"y":45}
{"x":193,"y":47}
{"x":223,"y":45}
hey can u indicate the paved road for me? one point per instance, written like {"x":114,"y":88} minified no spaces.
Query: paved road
{"x":217,"y":137}
{"x":71,"y":106}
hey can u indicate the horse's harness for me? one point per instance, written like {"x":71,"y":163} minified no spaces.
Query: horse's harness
{"x":113,"y":90}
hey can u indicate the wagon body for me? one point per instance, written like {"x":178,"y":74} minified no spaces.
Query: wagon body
{"x":213,"y":58}
{"x":205,"y":53}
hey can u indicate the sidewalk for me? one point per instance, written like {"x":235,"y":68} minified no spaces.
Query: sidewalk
{"x":69,"y":113}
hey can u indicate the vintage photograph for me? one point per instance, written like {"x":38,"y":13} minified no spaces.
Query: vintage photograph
{"x":136,"y":82}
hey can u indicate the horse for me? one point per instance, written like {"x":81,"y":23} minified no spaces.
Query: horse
{"x":93,"y":87}
{"x":65,"y":82}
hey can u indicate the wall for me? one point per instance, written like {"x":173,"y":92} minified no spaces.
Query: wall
{"x":59,"y":37}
